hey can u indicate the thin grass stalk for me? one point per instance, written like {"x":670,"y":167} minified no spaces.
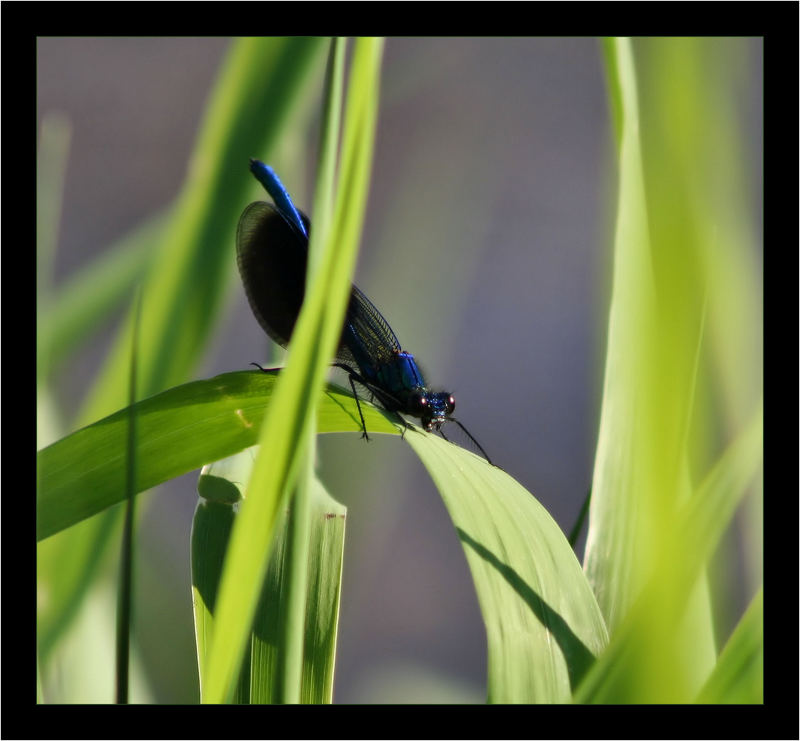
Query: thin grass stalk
{"x":298,"y":388}
{"x":329,"y":147}
{"x":294,"y":616}
{"x":125,"y":601}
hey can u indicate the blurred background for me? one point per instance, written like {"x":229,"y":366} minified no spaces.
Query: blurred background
{"x":487,"y":246}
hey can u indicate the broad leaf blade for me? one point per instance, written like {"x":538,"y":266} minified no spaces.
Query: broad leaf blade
{"x":211,"y":530}
{"x":320,"y":620}
{"x":179,"y":430}
{"x":635,"y":665}
{"x":543,"y":625}
{"x":658,"y":425}
{"x":221,"y":485}
{"x":617,"y":557}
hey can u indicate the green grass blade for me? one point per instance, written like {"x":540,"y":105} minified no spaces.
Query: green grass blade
{"x":543,"y":625}
{"x":641,"y":465}
{"x":325,"y":558}
{"x":292,"y":634}
{"x":224,"y":480}
{"x":660,"y":387}
{"x":319,"y":621}
{"x":738,"y":677}
{"x":179,"y":431}
{"x":574,"y":534}
{"x":66,"y":565}
{"x":251,"y":104}
{"x":329,"y":143}
{"x":259,"y":680}
{"x":254,"y":95}
{"x":612,"y":560}
{"x":633,"y":668}
{"x":90,"y":296}
{"x":313,"y":345}
{"x":125,"y":586}
{"x":289,"y":646}
{"x":211,"y":529}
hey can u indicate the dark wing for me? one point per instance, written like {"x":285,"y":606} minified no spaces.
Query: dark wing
{"x":367,"y":339}
{"x":272,"y":257}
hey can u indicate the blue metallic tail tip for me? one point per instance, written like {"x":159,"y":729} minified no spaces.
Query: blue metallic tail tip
{"x":273,"y":185}
{"x":267,"y":177}
{"x":263,"y":172}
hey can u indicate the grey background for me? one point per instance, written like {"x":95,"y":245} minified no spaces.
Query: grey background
{"x":486,"y":246}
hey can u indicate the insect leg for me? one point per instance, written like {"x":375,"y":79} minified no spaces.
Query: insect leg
{"x":352,"y":376}
{"x":265,"y":370}
{"x":358,"y":406}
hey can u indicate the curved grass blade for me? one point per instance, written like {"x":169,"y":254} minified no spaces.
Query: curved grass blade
{"x":616,"y":523}
{"x":655,"y":422}
{"x":633,"y":669}
{"x":738,"y":677}
{"x":543,"y":625}
{"x":179,"y":430}
{"x":257,"y":88}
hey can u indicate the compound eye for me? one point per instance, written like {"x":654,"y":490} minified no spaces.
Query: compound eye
{"x":419,"y":404}
{"x":451,"y":404}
